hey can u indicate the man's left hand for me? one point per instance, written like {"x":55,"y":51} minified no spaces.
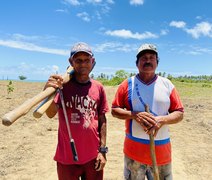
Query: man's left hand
{"x":100,"y":161}
{"x":154,"y":129}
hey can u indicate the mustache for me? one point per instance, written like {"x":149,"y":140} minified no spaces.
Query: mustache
{"x":147,"y":65}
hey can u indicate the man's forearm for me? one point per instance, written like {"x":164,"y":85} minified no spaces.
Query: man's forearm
{"x":102,"y":130}
{"x":122,"y":113}
{"x":173,"y":117}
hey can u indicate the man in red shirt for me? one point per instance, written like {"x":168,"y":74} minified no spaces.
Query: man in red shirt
{"x":86,"y":105}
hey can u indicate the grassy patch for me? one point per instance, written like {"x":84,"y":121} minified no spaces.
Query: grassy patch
{"x":198,"y":91}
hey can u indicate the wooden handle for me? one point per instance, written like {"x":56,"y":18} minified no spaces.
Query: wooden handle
{"x":152,"y":151}
{"x":24,"y":108}
{"x":41,"y":109}
{"x":43,"y":106}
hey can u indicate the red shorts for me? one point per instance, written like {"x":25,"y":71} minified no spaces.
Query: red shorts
{"x":74,"y":172}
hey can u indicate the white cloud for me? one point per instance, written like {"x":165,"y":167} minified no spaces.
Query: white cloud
{"x":199,"y":17}
{"x":201,"y":50}
{"x":31,"y":71}
{"x":110,"y":1}
{"x":94,"y":8}
{"x":41,"y":71}
{"x":19,"y":37}
{"x":94,"y":1}
{"x":31,"y":47}
{"x":55,"y":68}
{"x":127,"y":34}
{"x":186,"y":49}
{"x":136,"y":2}
{"x":178,"y":24}
{"x":72,"y":2}
{"x":164,"y":32}
{"x":105,"y":9}
{"x":201,"y":29}
{"x":114,"y":47}
{"x":32,"y":38}
{"x":84,"y":16}
{"x":62,"y":10}
{"x":98,"y":15}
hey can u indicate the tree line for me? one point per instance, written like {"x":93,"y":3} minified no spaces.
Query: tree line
{"x":120,"y":75}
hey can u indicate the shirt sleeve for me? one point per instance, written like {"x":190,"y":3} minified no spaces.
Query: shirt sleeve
{"x":103,"y":108}
{"x":57,"y":99}
{"x":175,"y":102}
{"x":121,"y":96}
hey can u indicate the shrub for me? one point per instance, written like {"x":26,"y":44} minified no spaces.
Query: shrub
{"x":10,"y":87}
{"x":21,"y":77}
{"x":206,"y":85}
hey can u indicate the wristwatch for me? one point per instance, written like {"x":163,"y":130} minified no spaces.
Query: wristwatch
{"x":103,"y":149}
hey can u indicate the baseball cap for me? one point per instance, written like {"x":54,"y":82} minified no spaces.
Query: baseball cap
{"x":146,"y":47}
{"x":80,"y":47}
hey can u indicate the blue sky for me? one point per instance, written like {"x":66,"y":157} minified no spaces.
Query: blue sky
{"x":36,"y":36}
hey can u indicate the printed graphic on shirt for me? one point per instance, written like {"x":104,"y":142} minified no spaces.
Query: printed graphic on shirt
{"x":75,"y":118}
{"x":86,"y":106}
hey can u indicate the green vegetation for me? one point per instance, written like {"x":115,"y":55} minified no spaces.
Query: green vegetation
{"x":115,"y":80}
{"x":197,"y":90}
{"x":10,"y":88}
{"x":204,"y":81}
{"x":194,"y":79}
{"x":21,"y":77}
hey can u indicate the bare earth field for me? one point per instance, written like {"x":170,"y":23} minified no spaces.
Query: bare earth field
{"x":27,"y":147}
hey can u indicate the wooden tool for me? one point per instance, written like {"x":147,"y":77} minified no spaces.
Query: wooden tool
{"x":152,"y":151}
{"x":42,"y":108}
{"x":44,"y":105}
{"x":24,"y":108}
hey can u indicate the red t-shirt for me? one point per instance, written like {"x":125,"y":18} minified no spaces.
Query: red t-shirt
{"x":84,"y":103}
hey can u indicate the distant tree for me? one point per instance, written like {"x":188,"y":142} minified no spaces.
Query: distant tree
{"x":92,"y":76}
{"x":121,"y":74}
{"x":159,"y":73}
{"x":132,"y":74}
{"x":169,"y":77}
{"x":119,"y":77}
{"x":164,"y":74}
{"x":21,"y":77}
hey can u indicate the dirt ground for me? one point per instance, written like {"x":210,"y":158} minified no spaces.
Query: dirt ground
{"x":27,"y":147}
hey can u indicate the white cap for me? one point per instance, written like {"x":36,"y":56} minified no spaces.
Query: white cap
{"x":147,"y":47}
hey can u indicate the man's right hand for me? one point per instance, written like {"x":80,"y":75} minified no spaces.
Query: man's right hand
{"x":55,"y":81}
{"x":146,"y":120}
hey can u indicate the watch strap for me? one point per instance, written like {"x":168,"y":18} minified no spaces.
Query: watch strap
{"x":103,"y":149}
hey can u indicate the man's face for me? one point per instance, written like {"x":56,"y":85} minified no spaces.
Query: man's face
{"x":82,"y":63}
{"x":147,"y":62}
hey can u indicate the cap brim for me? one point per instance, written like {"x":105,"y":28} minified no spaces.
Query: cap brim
{"x":146,"y":50}
{"x":74,"y":53}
